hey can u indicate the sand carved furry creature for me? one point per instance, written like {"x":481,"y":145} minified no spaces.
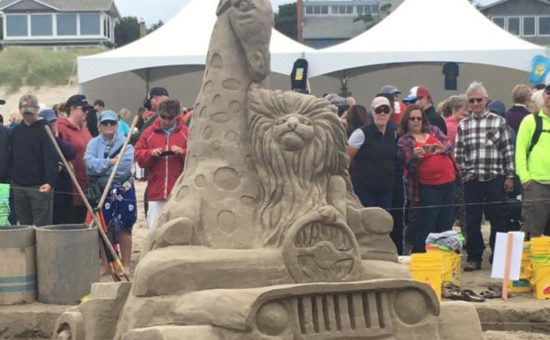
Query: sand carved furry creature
{"x":298,"y":145}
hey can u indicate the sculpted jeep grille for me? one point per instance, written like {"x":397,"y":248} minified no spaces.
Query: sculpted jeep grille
{"x":360,"y":314}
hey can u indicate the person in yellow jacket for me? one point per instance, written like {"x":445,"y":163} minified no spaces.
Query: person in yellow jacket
{"x":533,"y":169}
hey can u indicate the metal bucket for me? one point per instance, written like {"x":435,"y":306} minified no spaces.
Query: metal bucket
{"x":67,"y":262}
{"x":17,"y":265}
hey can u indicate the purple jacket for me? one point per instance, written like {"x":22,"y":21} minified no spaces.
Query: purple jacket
{"x":514,"y":116}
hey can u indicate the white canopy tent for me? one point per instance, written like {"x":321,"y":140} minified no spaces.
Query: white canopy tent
{"x":173,"y":56}
{"x":429,"y":31}
{"x":418,"y":35}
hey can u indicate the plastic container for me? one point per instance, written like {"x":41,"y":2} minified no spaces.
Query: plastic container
{"x":541,"y":277}
{"x":17,"y":265}
{"x":540,"y":245}
{"x":428,"y":268}
{"x":452,"y":265}
{"x":526,"y":272}
{"x":67,"y":262}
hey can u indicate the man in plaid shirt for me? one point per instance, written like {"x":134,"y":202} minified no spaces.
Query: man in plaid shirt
{"x":485,"y":156}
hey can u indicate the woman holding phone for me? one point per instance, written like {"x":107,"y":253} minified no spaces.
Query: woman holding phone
{"x":430,"y":175}
{"x":161,"y":149}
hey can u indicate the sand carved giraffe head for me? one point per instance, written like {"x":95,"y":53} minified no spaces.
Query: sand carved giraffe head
{"x":251,"y":21}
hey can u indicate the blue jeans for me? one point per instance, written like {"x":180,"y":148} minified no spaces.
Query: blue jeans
{"x":437,"y":211}
{"x":374,"y":199}
{"x":476,"y":195}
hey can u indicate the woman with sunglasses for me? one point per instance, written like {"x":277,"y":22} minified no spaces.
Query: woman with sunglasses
{"x":429,"y":168}
{"x":120,"y":207}
{"x":372,"y":151}
{"x":161,"y":150}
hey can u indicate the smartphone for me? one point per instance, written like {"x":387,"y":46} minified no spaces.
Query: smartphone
{"x":429,"y":147}
{"x":167,"y":153}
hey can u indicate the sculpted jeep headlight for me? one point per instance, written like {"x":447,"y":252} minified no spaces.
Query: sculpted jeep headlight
{"x":272,"y":318}
{"x":411,"y":306}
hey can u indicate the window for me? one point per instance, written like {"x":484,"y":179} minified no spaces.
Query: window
{"x":544,"y":25}
{"x":528,"y":26}
{"x":513,"y":25}
{"x":360,"y":9}
{"x":90,"y":24}
{"x":66,"y":24}
{"x":309,"y":9}
{"x":374,"y":9}
{"x":349,"y":9}
{"x":499,"y":21}
{"x":41,"y":24}
{"x":16,"y":26}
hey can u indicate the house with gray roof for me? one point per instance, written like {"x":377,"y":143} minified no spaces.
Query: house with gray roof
{"x":58,"y":22}
{"x":528,"y":19}
{"x":330,"y":22}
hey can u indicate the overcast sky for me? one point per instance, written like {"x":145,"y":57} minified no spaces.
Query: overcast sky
{"x":154,"y":10}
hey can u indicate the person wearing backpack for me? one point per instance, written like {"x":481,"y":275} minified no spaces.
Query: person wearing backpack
{"x":533,"y":168}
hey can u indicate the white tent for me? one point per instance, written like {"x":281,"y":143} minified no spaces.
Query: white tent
{"x":181,"y":41}
{"x":173,"y":56}
{"x":429,"y":31}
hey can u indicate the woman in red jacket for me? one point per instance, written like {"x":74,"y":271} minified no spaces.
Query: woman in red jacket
{"x":161,"y":149}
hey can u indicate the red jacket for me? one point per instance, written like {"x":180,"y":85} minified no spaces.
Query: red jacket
{"x":78,"y":138}
{"x":164,"y":170}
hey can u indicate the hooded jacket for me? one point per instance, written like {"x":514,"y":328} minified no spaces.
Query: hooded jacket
{"x":33,"y":156}
{"x":79,"y":139}
{"x":164,"y":170}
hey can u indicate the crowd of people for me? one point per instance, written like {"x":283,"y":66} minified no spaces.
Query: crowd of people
{"x":91,"y":139}
{"x":432,"y":167}
{"x":439,"y":167}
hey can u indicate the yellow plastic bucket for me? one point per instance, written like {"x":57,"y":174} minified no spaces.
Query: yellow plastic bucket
{"x":541,"y":280}
{"x":526,"y":272}
{"x":451,"y":267}
{"x":540,"y":245}
{"x":428,"y":268}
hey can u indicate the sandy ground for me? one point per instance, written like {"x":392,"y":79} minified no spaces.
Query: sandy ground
{"x":48,"y":96}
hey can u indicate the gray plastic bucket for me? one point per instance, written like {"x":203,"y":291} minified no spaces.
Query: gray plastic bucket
{"x":67,"y":259}
{"x":17,"y":265}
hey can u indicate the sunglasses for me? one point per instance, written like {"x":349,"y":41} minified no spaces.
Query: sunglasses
{"x":382,"y":110}
{"x":473,"y":100}
{"x":166,"y":117}
{"x":109,"y":122}
{"x":415,"y":119}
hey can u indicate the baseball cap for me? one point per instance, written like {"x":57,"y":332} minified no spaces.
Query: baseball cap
{"x":158,"y":91}
{"x":108,"y":115}
{"x":28,"y":104}
{"x":419,"y":91}
{"x":380,"y":101}
{"x":48,"y":115}
{"x":390,"y":89}
{"x":79,"y":100}
{"x":498,"y":107}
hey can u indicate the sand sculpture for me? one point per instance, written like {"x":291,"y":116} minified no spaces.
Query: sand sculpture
{"x":262,"y":237}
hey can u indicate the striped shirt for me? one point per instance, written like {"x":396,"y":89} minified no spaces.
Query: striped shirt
{"x":484,"y":148}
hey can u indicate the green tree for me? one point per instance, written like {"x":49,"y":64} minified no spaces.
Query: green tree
{"x":285,"y":20}
{"x":370,"y":21}
{"x":126,"y":31}
{"x":155,"y":26}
